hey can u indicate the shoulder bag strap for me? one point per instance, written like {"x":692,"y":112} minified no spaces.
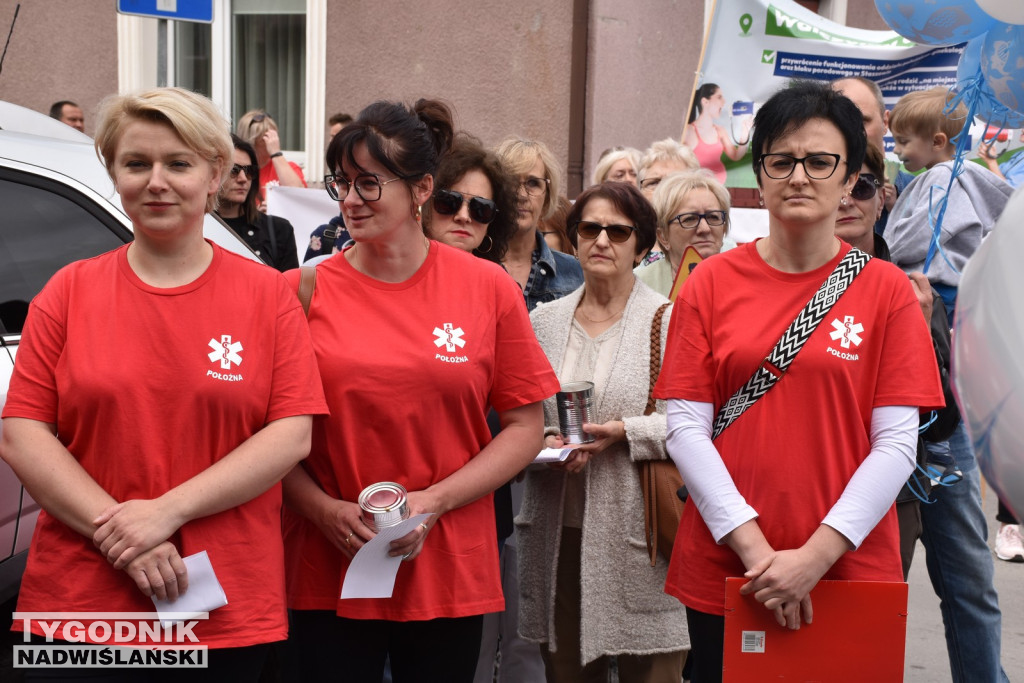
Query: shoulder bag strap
{"x":775,"y":365}
{"x":307,"y":282}
{"x":655,"y":355}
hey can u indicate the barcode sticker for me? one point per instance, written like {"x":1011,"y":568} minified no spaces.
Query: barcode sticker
{"x":753,"y":641}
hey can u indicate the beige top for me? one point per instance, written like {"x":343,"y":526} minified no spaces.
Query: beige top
{"x":587,"y":359}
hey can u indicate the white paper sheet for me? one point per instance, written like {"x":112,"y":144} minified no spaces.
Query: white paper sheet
{"x":553,"y":454}
{"x":372,"y":571}
{"x":204,"y":593}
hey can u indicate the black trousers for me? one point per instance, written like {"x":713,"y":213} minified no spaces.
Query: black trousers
{"x":707,"y":643}
{"x":326,"y":647}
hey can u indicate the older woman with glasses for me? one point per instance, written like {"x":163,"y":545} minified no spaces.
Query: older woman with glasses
{"x":617,"y":163}
{"x":778,"y":501}
{"x":542,"y":274}
{"x":270,"y":237}
{"x":589,"y":591}
{"x":474,"y":203}
{"x":693,"y":211}
{"x":441,"y":337}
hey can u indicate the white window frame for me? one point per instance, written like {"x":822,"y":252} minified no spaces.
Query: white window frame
{"x":137,"y":70}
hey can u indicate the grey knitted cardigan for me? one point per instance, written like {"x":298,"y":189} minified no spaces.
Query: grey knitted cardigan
{"x":625,"y":609}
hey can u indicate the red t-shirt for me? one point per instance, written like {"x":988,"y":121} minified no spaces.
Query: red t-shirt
{"x":410,"y":370}
{"x":793,"y":452}
{"x":148,"y":387}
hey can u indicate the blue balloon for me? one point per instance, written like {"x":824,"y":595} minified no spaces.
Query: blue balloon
{"x":1002,"y":62}
{"x":990,"y":110}
{"x":935,"y":22}
{"x":970,"y":62}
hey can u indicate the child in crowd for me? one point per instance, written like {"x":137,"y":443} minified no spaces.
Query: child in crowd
{"x":923,"y":133}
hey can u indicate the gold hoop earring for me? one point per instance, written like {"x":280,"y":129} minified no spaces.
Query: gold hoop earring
{"x":490,"y":245}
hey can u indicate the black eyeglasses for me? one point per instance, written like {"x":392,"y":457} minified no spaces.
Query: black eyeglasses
{"x":449,"y":202}
{"x":590,"y":230}
{"x":368,"y":186}
{"x":816,"y":166}
{"x":866,"y":187}
{"x":250,"y":171}
{"x":690,"y":221}
{"x":534,"y":186}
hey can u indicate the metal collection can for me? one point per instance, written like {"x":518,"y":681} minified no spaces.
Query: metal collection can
{"x":384,"y":504}
{"x":575,"y":407}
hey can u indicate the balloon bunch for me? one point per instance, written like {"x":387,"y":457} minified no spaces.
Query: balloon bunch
{"x":990,"y":75}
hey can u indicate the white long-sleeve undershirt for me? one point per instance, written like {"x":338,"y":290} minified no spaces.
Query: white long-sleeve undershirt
{"x":864,"y":501}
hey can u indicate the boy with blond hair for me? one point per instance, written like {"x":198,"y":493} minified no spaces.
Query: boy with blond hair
{"x":923,"y":133}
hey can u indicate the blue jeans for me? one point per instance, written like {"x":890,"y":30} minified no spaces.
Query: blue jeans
{"x":960,"y":567}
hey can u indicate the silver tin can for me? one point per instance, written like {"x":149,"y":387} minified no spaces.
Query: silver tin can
{"x":575,"y":406}
{"x":384,"y":504}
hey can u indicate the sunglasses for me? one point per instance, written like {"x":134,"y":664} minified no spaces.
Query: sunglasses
{"x":591,"y":231}
{"x":250,"y":171}
{"x":449,"y":203}
{"x":866,"y":187}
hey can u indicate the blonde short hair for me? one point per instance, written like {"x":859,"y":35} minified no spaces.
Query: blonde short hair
{"x":520,"y":154}
{"x":674,"y":188}
{"x":250,"y":130}
{"x":192,"y":117}
{"x":668,"y":149}
{"x":612,"y":157}
{"x":921,"y":113}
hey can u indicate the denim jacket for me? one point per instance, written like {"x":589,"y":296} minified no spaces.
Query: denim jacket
{"x":552,"y":275}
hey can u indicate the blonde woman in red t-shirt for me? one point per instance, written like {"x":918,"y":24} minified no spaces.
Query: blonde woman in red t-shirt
{"x":811,"y":470}
{"x":141,"y":445}
{"x":416,"y":341}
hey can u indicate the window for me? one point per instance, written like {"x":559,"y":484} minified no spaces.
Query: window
{"x":255,"y":54}
{"x":45,"y":227}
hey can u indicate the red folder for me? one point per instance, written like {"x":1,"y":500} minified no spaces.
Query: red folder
{"x":858,"y":634}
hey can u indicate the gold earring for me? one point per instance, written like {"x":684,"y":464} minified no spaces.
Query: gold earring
{"x":419,"y":212}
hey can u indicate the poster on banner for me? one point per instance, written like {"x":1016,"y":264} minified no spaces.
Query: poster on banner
{"x":305,"y":208}
{"x":754,"y":47}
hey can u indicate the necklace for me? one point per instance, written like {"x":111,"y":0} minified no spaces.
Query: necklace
{"x":604,"y":320}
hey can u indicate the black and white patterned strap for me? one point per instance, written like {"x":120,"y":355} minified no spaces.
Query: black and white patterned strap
{"x":778,"y":361}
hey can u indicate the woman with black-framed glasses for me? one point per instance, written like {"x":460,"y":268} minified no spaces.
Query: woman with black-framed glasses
{"x":270,"y":237}
{"x":473,"y":207}
{"x":810,"y":471}
{"x":416,"y":342}
{"x":693,"y":211}
{"x":591,"y":506}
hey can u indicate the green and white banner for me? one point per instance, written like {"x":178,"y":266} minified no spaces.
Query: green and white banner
{"x":754,"y":47}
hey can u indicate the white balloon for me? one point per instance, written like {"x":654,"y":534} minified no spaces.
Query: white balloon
{"x":988,"y":362}
{"x":1008,"y":11}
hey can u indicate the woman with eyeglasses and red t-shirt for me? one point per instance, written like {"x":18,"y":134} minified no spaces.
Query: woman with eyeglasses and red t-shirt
{"x":429,"y":338}
{"x":270,"y":237}
{"x":810,"y":471}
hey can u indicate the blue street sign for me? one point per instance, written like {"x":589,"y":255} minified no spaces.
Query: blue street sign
{"x":179,"y":10}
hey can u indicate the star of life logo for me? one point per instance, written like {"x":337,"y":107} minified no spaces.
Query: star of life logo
{"x":119,"y":640}
{"x":846,"y":332}
{"x":450,"y":337}
{"x":225,"y":352}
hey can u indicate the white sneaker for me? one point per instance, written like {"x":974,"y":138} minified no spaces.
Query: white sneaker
{"x":1009,"y":544}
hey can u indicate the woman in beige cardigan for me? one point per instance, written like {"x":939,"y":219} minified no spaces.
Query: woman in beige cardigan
{"x":588,"y":590}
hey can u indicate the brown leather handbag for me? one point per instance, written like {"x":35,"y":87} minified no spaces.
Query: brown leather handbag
{"x":659,"y":479}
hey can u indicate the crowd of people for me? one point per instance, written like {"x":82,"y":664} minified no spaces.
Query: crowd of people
{"x":454,"y":294}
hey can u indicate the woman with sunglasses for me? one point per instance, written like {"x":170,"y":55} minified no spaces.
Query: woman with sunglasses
{"x":270,"y":237}
{"x":474,"y":203}
{"x":260,"y":130}
{"x":584,"y":567}
{"x":693,"y":211}
{"x":430,"y":339}
{"x":811,"y":470}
